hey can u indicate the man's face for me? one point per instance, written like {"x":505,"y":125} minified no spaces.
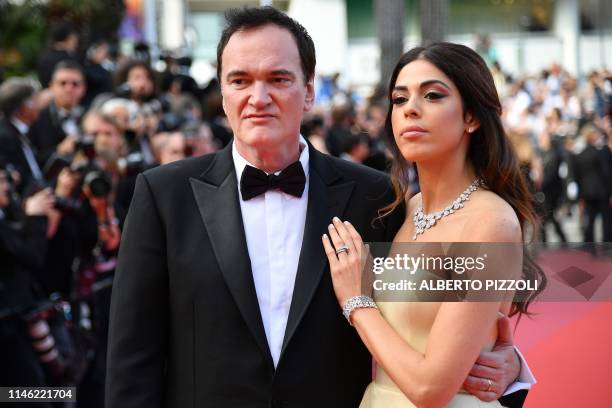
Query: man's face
{"x":173,"y":149}
{"x":263,"y":87}
{"x":68,"y":87}
{"x":29,"y":110}
{"x":107,"y":138}
{"x":100,"y":53}
{"x":140,"y":83}
{"x":72,"y":42}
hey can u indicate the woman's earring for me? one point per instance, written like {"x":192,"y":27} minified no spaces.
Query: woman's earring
{"x":470,"y":130}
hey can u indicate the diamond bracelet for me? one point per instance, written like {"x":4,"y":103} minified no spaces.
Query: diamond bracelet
{"x":357,"y":302}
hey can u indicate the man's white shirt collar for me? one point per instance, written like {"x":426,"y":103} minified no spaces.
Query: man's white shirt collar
{"x":240,"y":162}
{"x":21,"y":127}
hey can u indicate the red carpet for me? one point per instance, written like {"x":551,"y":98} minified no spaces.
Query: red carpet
{"x":569,"y":349}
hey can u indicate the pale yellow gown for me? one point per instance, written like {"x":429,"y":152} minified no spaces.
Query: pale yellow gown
{"x":413,"y":322}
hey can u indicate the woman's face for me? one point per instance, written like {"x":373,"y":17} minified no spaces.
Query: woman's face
{"x":427,"y":114}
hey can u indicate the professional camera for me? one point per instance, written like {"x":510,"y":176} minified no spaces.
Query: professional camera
{"x":59,"y":337}
{"x":95,"y":179}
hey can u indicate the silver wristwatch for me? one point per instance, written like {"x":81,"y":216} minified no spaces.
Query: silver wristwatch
{"x":357,"y":302}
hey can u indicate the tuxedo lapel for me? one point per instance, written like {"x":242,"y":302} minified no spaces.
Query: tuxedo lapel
{"x":327,"y":197}
{"x":216,"y":194}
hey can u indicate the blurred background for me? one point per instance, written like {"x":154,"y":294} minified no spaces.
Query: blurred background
{"x":94,"y":92}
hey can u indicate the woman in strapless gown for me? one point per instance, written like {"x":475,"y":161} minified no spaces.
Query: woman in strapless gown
{"x":444,"y":117}
{"x":412,"y":321}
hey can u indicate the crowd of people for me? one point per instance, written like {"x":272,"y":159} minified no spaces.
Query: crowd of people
{"x":73,"y":141}
{"x":562,"y":133}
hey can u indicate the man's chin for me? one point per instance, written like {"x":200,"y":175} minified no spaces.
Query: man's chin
{"x":263,"y":136}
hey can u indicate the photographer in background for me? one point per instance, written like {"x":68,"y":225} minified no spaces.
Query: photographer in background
{"x":113,"y":156}
{"x":57,"y":127}
{"x":97,"y":67}
{"x":19,"y":109}
{"x":136,"y":82}
{"x":27,"y":351}
{"x":106,"y":191}
{"x":82,"y":255}
{"x":170,"y":146}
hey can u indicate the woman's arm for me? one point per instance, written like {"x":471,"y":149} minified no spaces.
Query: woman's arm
{"x":456,"y":338}
{"x":459,"y":332}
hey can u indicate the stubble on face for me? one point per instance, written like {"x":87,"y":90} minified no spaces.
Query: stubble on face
{"x":264,"y":95}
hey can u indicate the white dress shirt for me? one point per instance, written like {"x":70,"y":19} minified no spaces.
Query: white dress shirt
{"x":69,"y":120}
{"x":274,"y":229}
{"x":525,"y":379}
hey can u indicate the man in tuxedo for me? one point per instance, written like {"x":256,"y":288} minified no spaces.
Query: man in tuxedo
{"x":19,"y":109}
{"x":222,"y":295}
{"x":57,"y":127}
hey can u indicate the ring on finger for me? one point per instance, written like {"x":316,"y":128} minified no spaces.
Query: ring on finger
{"x":343,"y":248}
{"x":489,"y":385}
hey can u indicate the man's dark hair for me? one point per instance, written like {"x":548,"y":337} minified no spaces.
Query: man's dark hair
{"x":62,"y":31}
{"x":69,"y":65}
{"x":352,"y":140}
{"x":254,"y":17}
{"x":124,"y":69}
{"x":13,"y":93}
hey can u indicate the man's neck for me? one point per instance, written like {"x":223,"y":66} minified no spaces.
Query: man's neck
{"x":270,"y":159}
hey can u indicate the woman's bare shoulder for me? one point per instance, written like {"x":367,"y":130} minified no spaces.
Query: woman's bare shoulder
{"x":492,"y":219}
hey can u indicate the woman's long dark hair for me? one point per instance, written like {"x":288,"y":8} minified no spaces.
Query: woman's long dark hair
{"x":490,"y":151}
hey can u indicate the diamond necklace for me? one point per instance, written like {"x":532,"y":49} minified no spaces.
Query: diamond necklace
{"x":423,"y":221}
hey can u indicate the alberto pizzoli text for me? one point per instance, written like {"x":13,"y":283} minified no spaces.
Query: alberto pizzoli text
{"x":456,"y":285}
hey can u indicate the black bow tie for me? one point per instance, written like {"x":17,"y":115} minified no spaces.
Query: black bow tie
{"x":254,"y":182}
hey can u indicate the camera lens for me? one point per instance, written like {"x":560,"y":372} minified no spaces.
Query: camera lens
{"x":99,"y":183}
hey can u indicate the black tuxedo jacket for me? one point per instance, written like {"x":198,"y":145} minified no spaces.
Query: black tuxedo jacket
{"x":591,"y":174}
{"x":23,"y":246}
{"x":46,"y":133}
{"x":11,"y":152}
{"x":185,"y":326}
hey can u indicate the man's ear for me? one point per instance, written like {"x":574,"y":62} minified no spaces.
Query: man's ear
{"x":310,"y":95}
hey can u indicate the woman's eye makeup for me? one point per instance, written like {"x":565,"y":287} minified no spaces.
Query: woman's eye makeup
{"x":434,"y":95}
{"x":430,"y":95}
{"x":398,"y":100}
